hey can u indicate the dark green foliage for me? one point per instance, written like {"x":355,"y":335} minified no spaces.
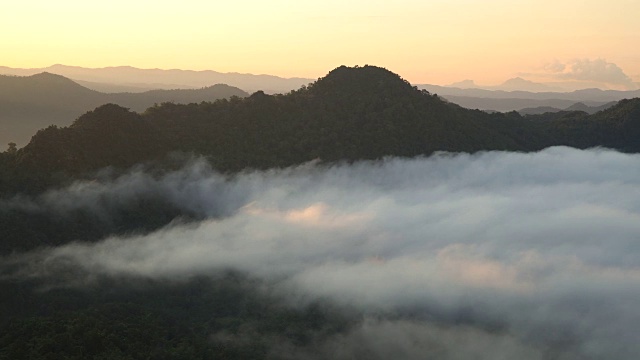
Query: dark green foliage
{"x":351,"y":114}
{"x":107,"y":136}
{"x":25,"y":229}
{"x":224,"y":316}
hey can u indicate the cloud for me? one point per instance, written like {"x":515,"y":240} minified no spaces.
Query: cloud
{"x":406,"y":339}
{"x":542,"y":247}
{"x":554,"y":67}
{"x":195,"y":189}
{"x":597,"y":70}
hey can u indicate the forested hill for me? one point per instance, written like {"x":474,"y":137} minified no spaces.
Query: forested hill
{"x":350,"y":114}
{"x":242,"y":284}
{"x":30,"y":103}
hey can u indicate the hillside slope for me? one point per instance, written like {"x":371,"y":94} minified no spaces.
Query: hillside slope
{"x":351,"y":114}
{"x":30,"y":103}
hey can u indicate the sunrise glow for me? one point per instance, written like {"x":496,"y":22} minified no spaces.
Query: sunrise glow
{"x":436,"y":42}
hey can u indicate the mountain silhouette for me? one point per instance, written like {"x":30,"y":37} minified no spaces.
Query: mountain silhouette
{"x":520,"y":84}
{"x":137,"y":296}
{"x":149,"y":79}
{"x":579,"y":106}
{"x":350,"y":114}
{"x":34,"y":102}
{"x":464,"y":84}
{"x":515,"y":100}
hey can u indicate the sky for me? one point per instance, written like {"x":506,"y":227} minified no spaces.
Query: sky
{"x":541,"y":247}
{"x":436,"y":41}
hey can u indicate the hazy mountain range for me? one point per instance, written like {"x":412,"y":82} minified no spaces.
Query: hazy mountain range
{"x":513,"y":95}
{"x":575,"y":107}
{"x":513,"y":84}
{"x":130,"y":79}
{"x":577,"y":95}
{"x":33,"y":102}
{"x":502,"y":100}
{"x":521,"y":84}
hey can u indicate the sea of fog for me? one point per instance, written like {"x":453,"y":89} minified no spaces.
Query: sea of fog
{"x":540,"y":252}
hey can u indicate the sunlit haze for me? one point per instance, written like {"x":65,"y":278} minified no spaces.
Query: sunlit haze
{"x":436,"y":41}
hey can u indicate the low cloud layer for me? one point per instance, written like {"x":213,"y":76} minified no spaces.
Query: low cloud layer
{"x":396,"y":339}
{"x":195,"y":189}
{"x":527,"y":256}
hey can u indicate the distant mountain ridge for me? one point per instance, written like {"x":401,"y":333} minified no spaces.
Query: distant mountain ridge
{"x":29,"y":103}
{"x":504,"y":101}
{"x":513,"y":95}
{"x":149,"y":79}
{"x":589,"y":109}
{"x":597,"y":95}
{"x":520,"y":84}
{"x":513,"y":84}
{"x":579,"y":106}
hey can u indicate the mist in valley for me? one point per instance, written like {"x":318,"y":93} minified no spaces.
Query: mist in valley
{"x":494,"y":255}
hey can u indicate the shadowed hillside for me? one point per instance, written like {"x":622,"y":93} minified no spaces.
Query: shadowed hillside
{"x":30,"y":103}
{"x":350,"y":114}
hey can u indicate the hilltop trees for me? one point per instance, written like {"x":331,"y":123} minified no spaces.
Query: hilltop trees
{"x":350,"y":114}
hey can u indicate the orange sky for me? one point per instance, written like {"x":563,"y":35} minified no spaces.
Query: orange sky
{"x":436,"y":41}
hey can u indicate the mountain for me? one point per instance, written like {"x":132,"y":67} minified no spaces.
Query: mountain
{"x":350,"y":114}
{"x":161,"y":284}
{"x":514,"y":104}
{"x":513,"y":84}
{"x":584,"y":95}
{"x":464,"y":84}
{"x":538,"y":110}
{"x":46,"y":89}
{"x":165,"y":79}
{"x":579,"y":106}
{"x":500,"y":100}
{"x":131,"y":88}
{"x":520,"y":84}
{"x":142,"y":101}
{"x":29,"y":103}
